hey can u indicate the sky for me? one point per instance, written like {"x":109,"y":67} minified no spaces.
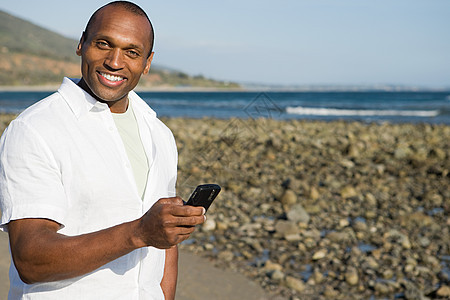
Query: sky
{"x":285,"y":42}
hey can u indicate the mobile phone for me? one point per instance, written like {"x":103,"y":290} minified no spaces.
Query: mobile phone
{"x":204,"y":195}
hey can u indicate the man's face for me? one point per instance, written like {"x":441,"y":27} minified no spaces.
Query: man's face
{"x":114,"y":54}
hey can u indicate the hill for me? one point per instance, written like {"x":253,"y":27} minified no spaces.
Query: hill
{"x":32,"y":55}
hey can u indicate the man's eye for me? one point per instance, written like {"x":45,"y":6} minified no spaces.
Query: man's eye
{"x":102,"y":44}
{"x":133,"y":53}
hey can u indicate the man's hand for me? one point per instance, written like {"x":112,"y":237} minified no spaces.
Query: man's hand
{"x":168,"y":222}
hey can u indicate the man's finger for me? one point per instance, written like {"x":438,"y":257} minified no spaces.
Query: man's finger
{"x":187,"y":210}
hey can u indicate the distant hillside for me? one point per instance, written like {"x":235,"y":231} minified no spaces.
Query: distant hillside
{"x":20,"y":36}
{"x":32,"y":55}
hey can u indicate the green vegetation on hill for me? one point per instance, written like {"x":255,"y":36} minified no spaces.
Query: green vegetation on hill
{"x":20,"y":36}
{"x":32,"y":55}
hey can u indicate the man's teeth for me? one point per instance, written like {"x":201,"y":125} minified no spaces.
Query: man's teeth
{"x":112,"y":77}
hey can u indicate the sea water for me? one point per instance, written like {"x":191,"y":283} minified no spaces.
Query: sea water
{"x":367,"y":106}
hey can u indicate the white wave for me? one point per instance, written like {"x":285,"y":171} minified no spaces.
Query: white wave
{"x":299,"y":110}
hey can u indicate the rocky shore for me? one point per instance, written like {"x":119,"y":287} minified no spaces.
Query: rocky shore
{"x":322,"y":210}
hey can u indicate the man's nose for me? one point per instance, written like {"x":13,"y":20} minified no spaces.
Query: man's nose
{"x":115,"y":59}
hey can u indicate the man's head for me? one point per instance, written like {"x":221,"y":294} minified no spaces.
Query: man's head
{"x":131,"y":7}
{"x":116,"y":49}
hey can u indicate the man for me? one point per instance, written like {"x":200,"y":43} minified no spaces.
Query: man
{"x":87,"y":178}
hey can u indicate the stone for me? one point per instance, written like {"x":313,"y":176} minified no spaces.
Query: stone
{"x":330,"y":293}
{"x":225,"y":255}
{"x":346,"y":163}
{"x":288,"y":198}
{"x":314,"y":193}
{"x":351,"y":276}
{"x":221,"y":225}
{"x":271,"y":266}
{"x":209,"y":225}
{"x":372,"y":263}
{"x":443,"y":291}
{"x":298,"y":214}
{"x":397,"y":237}
{"x":348,"y":192}
{"x":382,"y":288}
{"x":285,"y":228}
{"x":318,"y":277}
{"x":320,"y":254}
{"x":337,"y":237}
{"x":439,"y":153}
{"x":360,"y":226}
{"x":295,"y":283}
{"x":276,"y":275}
{"x":293,"y":237}
{"x":388,"y":274}
{"x":402,"y":152}
{"x":344,"y":222}
{"x":208,"y":246}
{"x":371,"y":200}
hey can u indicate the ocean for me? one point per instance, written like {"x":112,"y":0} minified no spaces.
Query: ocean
{"x":431,"y":107}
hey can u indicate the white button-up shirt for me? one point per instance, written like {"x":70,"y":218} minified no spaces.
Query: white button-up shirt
{"x":63,"y":159}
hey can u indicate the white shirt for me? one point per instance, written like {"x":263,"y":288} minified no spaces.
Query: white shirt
{"x":63,"y":159}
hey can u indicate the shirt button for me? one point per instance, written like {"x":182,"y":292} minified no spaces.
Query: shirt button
{"x":110,"y":128}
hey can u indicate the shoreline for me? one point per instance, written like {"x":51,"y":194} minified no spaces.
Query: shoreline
{"x":53,"y":88}
{"x":245,"y":88}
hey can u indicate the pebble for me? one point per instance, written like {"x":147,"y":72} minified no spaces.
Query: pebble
{"x":298,"y":214}
{"x":209,"y":225}
{"x":271,"y":266}
{"x":295,"y":284}
{"x":351,"y":276}
{"x":286,"y":228}
{"x":314,"y":193}
{"x":277,"y":275}
{"x":337,"y":236}
{"x":288,"y":198}
{"x":319,"y":254}
{"x":344,"y":222}
{"x":348,"y":192}
{"x":443,"y":291}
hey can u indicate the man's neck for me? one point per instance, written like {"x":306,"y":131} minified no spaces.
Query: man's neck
{"x":117,"y":107}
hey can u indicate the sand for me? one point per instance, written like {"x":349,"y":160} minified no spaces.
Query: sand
{"x":4,"y":265}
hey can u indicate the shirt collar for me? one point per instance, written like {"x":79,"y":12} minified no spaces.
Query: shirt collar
{"x":140,"y":105}
{"x":80,"y":102}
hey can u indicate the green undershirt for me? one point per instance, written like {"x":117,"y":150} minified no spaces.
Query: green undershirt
{"x":128,"y":129}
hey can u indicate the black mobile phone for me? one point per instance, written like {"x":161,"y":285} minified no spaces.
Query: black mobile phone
{"x":204,"y":195}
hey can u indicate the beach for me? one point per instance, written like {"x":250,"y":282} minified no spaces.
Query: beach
{"x":319,"y":210}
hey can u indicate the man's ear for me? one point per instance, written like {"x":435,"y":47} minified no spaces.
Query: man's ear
{"x":148,"y":63}
{"x":80,"y":44}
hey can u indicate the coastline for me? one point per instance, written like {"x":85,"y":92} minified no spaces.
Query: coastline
{"x":53,"y":88}
{"x":245,"y":88}
{"x":322,"y":210}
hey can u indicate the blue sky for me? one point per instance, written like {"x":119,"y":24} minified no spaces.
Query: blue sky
{"x":296,"y":42}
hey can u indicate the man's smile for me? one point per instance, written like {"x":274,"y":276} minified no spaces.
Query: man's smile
{"x":110,"y":77}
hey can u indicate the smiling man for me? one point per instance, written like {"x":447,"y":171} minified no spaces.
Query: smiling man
{"x":115,"y":52}
{"x":87,"y":181}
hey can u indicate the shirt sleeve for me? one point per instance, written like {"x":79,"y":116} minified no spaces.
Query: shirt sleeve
{"x":30,"y":178}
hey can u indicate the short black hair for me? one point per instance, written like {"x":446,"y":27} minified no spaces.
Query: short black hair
{"x":129,"y":6}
